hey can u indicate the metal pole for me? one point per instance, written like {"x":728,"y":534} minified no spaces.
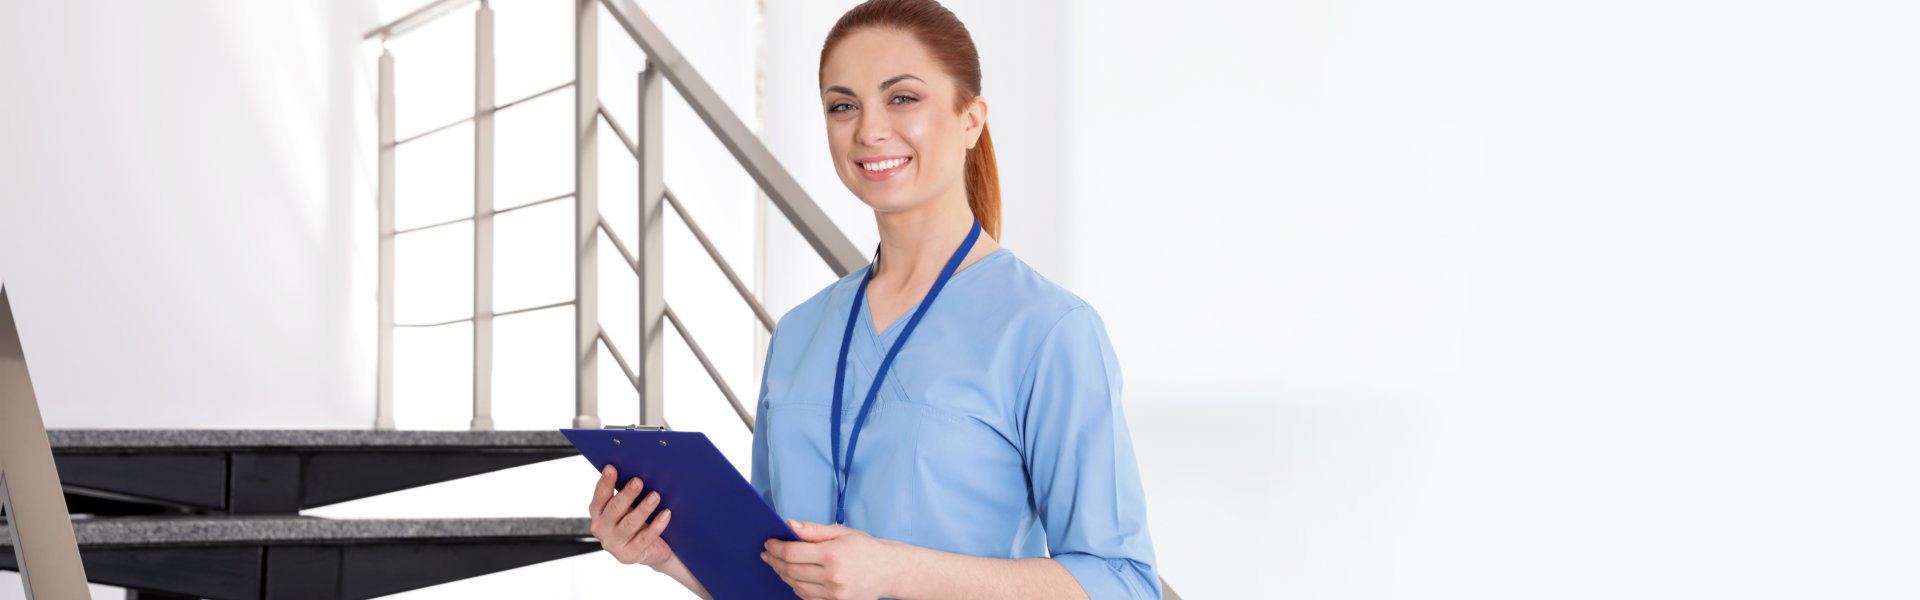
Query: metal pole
{"x":651,"y":250}
{"x":483,"y":218}
{"x":586,"y":212}
{"x":44,"y":548}
{"x":383,"y":395}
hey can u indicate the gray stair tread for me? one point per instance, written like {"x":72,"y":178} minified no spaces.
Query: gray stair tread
{"x":281,"y":529}
{"x":83,"y":439}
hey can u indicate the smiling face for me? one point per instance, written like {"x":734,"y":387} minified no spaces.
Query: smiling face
{"x":897,"y":140}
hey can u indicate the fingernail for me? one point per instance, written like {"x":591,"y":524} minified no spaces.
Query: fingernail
{"x":608,"y":470}
{"x":792,"y":523}
{"x":666,"y":513}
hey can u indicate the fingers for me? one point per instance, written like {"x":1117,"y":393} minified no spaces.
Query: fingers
{"x":806,"y":580}
{"x":621,"y":502}
{"x":602,"y":490}
{"x":799,"y":552}
{"x":795,"y":572}
{"x":635,"y":549}
{"x":630,"y":525}
{"x":818,"y":532}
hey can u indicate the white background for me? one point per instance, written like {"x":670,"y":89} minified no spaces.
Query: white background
{"x":1472,"y":299}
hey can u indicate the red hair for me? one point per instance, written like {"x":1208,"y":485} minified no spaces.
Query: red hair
{"x":952,"y":47}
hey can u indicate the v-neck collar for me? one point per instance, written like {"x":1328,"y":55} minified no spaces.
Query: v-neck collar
{"x":885,"y":339}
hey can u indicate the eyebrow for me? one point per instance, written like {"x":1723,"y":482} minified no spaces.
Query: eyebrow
{"x":890,"y":82}
{"x":897,"y":79}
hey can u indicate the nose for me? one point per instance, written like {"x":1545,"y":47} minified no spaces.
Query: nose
{"x":873,"y":129}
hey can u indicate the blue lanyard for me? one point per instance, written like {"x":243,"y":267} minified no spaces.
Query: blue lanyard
{"x":842,"y":474}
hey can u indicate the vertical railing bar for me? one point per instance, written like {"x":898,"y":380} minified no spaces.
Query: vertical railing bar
{"x":483,"y":217}
{"x":650,"y":249}
{"x":718,"y":381}
{"x":586,"y":213}
{"x":383,"y":390}
{"x":759,"y":311}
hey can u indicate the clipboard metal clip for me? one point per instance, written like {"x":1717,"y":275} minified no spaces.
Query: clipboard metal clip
{"x":637,"y":427}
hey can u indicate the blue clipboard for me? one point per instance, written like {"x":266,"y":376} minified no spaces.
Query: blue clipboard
{"x":720,"y":523}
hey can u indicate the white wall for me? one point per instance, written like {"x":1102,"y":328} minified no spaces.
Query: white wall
{"x":1485,"y":299}
{"x":178,"y":232}
{"x":1508,"y":299}
{"x":1414,"y":300}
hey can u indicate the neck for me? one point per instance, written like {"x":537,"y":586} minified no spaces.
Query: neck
{"x":915,"y":244}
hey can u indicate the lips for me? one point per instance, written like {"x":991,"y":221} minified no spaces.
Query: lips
{"x":876,"y":168}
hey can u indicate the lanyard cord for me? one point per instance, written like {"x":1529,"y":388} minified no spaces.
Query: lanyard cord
{"x":841,"y":475}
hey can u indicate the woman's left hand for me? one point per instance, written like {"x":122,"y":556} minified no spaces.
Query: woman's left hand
{"x":834,"y":562}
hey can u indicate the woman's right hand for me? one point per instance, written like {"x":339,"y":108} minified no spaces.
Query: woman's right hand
{"x":621,"y":527}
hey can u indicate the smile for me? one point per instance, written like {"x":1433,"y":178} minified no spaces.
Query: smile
{"x":882,"y":167}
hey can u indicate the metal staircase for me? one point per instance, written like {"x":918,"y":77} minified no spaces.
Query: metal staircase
{"x":215,"y":514}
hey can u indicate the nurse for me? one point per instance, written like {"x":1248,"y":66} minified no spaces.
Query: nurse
{"x":945,"y":423}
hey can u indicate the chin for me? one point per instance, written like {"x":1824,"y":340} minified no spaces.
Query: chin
{"x":891,"y":200}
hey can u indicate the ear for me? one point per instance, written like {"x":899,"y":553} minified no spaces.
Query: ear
{"x":976,"y":116}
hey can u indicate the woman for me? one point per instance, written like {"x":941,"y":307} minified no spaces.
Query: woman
{"x":993,"y":460}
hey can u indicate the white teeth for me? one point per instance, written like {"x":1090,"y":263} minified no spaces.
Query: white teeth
{"x":883,"y":165}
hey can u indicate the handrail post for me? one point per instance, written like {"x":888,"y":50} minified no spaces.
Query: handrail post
{"x":383,"y":393}
{"x":586,"y":213}
{"x":651,"y":250}
{"x":44,"y":550}
{"x":483,"y":217}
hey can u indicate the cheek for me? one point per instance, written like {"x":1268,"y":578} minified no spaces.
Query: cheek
{"x":932,"y":138}
{"x":839,"y":143}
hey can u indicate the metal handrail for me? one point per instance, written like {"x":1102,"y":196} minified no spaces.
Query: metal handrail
{"x":413,"y":20}
{"x":495,"y":213}
{"x":685,"y":335}
{"x":753,"y":155}
{"x":785,"y":191}
{"x":498,"y":314}
{"x":619,"y":359}
{"x":482,"y":113}
{"x":759,"y":311}
{"x":726,"y":268}
{"x":712,"y":371}
{"x":701,"y":355}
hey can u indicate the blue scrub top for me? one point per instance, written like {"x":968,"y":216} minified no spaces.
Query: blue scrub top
{"x":997,"y":433}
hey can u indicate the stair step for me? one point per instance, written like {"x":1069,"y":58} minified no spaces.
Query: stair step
{"x":112,"y":472}
{"x":241,"y":529}
{"x":251,"y":557}
{"x":185,"y":439}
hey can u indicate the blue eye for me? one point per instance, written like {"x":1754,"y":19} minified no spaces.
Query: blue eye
{"x":898,"y":99}
{"x":839,"y":107}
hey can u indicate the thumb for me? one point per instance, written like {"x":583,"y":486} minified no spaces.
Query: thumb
{"x":818,"y":532}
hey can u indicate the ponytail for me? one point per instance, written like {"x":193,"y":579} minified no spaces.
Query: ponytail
{"x":983,"y":184}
